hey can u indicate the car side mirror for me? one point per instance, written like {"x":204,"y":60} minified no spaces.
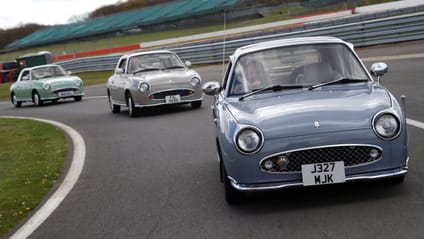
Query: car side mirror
{"x":119,"y":71}
{"x":69,"y":73}
{"x":211,"y":87}
{"x":188,"y":64}
{"x":378,"y":69}
{"x":25,"y":77}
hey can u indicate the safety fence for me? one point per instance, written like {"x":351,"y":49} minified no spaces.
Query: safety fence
{"x":361,"y":30}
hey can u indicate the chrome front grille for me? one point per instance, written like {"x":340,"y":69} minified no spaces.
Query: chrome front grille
{"x":162,"y":94}
{"x":291,"y":161}
{"x":56,"y":91}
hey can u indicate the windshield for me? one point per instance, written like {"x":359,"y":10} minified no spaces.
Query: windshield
{"x":156,"y":61}
{"x":301,"y":66}
{"x":46,"y":72}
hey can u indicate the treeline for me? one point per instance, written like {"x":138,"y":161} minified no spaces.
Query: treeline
{"x":124,"y":6}
{"x":9,"y":35}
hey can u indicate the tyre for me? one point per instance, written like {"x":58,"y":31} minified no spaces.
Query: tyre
{"x":114,"y":108}
{"x":397,"y":180}
{"x":36,"y":99}
{"x":78,"y":98}
{"x":232,"y":195}
{"x":15,"y":101}
{"x":196,"y":104}
{"x":131,"y":109}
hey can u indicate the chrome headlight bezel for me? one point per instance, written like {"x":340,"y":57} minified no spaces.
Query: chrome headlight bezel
{"x":248,"y":140}
{"x":195,"y":81}
{"x":47,"y":86}
{"x":386,"y":125}
{"x":79,"y":82}
{"x":143,"y":86}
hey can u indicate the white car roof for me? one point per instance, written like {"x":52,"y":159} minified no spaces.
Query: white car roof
{"x":146,"y":52}
{"x":41,"y":66}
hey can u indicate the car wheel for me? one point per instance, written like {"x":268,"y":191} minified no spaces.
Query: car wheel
{"x":131,"y":109}
{"x":36,"y":99}
{"x":196,"y":104}
{"x":397,"y":180}
{"x":114,"y":108}
{"x":15,"y":101}
{"x":78,"y":98}
{"x":232,"y":195}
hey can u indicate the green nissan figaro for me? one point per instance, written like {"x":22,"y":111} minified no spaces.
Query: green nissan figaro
{"x":45,"y":83}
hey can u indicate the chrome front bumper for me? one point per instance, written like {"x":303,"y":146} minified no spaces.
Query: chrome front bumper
{"x":281,"y":185}
{"x":163,"y":103}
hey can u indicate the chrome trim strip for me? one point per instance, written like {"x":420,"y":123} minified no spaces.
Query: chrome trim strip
{"x":54,"y":91}
{"x":58,"y":97}
{"x":273,"y":186}
{"x":152,"y":105}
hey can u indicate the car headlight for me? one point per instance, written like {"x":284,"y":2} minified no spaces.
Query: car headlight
{"x":386,"y":126}
{"x":46,"y":86}
{"x":143,"y":87}
{"x":78,"y":82}
{"x":249,"y":140}
{"x":195,"y":82}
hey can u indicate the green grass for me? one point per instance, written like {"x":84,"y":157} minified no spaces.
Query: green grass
{"x":31,"y":160}
{"x":4,"y":91}
{"x":94,"y":77}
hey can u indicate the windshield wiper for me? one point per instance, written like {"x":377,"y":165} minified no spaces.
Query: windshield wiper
{"x":337,"y":81}
{"x":273,"y":88}
{"x":174,"y":67}
{"x":146,"y":69}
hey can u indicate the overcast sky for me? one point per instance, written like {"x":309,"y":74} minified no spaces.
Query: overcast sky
{"x":45,"y":12}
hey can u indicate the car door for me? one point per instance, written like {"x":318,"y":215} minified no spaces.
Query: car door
{"x":23,"y":86}
{"x":116,"y":86}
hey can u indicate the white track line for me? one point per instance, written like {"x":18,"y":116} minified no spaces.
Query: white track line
{"x":65,"y":187}
{"x":415,"y":123}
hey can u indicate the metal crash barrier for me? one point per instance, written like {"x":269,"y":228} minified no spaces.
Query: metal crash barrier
{"x":359,"y":30}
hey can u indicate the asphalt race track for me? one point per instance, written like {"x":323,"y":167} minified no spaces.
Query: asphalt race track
{"x":156,"y":176}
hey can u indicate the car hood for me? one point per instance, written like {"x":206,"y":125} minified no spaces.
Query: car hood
{"x":61,"y":80}
{"x":304,"y":112}
{"x":166,"y":77}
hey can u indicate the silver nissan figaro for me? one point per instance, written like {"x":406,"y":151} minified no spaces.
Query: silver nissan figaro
{"x":305,"y":112}
{"x":153,"y":78}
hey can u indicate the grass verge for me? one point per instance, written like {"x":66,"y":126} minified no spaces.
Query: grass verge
{"x":94,"y":77}
{"x":31,"y":160}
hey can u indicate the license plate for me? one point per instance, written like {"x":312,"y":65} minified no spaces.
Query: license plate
{"x":170,"y":99}
{"x":66,"y":93}
{"x":323,"y":173}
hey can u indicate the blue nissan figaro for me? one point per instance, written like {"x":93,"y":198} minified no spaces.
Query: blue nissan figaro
{"x":303,"y":112}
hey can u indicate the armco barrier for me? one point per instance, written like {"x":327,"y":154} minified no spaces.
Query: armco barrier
{"x":353,"y":29}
